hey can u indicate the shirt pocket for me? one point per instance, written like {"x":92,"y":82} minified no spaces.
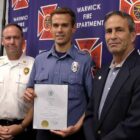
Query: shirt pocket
{"x":42,"y":78}
{"x":1,"y":80}
{"x":75,"y":85}
{"x":22,"y":83}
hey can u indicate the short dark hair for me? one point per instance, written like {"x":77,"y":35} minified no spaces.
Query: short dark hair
{"x":15,"y":25}
{"x":131,"y":23}
{"x":64,"y":10}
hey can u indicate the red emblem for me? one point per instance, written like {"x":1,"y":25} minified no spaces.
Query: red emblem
{"x":43,"y":30}
{"x":132,"y":7}
{"x":95,"y":49}
{"x":20,"y":4}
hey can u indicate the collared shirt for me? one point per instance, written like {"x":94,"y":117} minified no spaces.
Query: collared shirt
{"x":114,"y":70}
{"x":110,"y":79}
{"x":14,"y":76}
{"x":72,"y":69}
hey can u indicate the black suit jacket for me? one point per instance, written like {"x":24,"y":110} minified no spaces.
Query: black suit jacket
{"x":120,"y":117}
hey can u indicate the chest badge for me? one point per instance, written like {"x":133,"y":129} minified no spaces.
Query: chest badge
{"x":26,"y":70}
{"x":75,"y":66}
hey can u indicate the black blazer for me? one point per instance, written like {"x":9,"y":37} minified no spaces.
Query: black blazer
{"x":120,"y":117}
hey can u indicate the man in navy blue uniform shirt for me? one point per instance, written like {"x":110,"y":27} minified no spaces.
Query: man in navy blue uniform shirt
{"x":64,"y":64}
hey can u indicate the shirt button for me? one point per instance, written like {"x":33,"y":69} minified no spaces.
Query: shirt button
{"x":99,"y":132}
{"x":114,"y":73}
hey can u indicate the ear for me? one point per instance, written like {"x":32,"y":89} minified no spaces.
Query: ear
{"x":74,"y":28}
{"x":23,"y":44}
{"x":133,"y":36}
{"x":2,"y":42}
{"x":50,"y":29}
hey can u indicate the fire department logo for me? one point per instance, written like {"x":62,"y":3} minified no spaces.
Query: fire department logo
{"x":43,"y":30}
{"x":94,"y":47}
{"x":20,"y":4}
{"x":133,"y":8}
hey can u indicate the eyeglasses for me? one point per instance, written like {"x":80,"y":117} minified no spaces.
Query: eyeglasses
{"x":8,"y":38}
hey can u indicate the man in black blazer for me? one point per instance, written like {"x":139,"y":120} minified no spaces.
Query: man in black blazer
{"x":114,"y":109}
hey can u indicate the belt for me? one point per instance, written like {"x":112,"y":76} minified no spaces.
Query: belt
{"x":9,"y":122}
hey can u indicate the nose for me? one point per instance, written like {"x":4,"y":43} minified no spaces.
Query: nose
{"x":113,"y":34}
{"x":60,"y":29}
{"x":12,"y":40}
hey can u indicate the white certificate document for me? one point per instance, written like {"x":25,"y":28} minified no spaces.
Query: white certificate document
{"x":50,"y":107}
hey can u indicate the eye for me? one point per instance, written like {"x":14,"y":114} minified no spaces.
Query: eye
{"x":7,"y":37}
{"x":55,"y":25}
{"x":65,"y":25}
{"x":108,"y":31}
{"x":120,"y":30}
{"x":16,"y":37}
{"x":11,"y":37}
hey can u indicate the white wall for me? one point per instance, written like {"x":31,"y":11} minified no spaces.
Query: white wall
{"x":1,"y":12}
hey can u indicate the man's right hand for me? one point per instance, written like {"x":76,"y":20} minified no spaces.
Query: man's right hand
{"x":29,"y":95}
{"x":4,"y":135}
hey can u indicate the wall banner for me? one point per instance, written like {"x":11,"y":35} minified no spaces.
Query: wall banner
{"x":33,"y":16}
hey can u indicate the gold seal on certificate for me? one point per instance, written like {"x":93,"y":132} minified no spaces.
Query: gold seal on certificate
{"x":44,"y":123}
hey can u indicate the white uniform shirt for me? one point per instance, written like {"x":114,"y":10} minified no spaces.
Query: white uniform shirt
{"x":13,"y":80}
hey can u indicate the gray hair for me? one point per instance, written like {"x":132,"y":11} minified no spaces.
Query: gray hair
{"x":124,"y":15}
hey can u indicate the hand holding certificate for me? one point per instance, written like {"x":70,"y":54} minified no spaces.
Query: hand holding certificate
{"x":50,"y":107}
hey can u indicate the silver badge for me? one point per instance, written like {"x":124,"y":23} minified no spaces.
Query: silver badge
{"x":75,"y":66}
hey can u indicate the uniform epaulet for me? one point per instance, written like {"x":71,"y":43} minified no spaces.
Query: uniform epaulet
{"x":42,"y":51}
{"x":2,"y":57}
{"x":83,"y":52}
{"x":2,"y":60}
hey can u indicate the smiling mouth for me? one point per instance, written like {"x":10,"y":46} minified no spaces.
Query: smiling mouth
{"x":113,"y":44}
{"x":60,"y":37}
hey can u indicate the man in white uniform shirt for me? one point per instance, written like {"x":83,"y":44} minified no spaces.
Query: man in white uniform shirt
{"x":15,"y":70}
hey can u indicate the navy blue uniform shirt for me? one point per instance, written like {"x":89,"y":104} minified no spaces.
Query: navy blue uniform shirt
{"x":72,"y":69}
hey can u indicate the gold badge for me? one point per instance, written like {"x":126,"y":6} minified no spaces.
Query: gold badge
{"x":44,"y":123}
{"x":26,"y":71}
